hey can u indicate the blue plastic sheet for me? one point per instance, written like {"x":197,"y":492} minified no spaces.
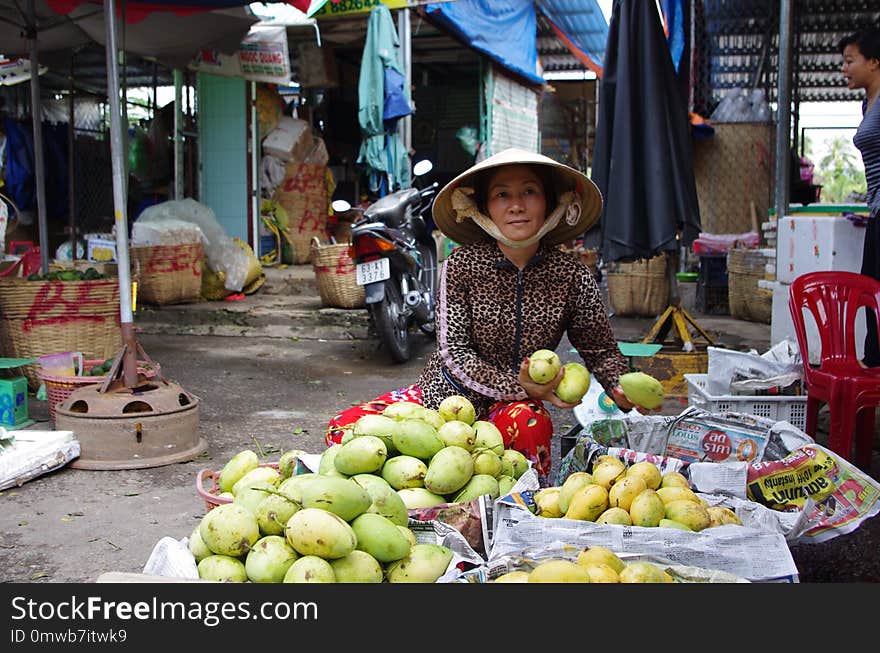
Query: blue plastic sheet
{"x":504,"y":30}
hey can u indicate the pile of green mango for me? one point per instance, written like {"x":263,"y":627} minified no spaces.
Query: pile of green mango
{"x":89,"y":274}
{"x":100,"y":370}
{"x":348,"y":522}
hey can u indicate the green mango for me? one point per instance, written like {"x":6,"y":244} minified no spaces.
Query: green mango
{"x":424,"y":563}
{"x":380,"y":537}
{"x":341,"y":496}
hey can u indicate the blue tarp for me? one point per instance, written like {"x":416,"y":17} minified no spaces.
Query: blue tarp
{"x":503,"y":30}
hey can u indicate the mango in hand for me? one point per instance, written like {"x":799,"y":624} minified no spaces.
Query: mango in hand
{"x":642,"y":389}
{"x":574,"y":384}
{"x":544,"y":365}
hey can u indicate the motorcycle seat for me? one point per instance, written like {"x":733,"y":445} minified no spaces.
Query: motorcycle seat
{"x":391,"y":209}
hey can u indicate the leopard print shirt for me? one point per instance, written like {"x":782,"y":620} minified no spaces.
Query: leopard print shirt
{"x":490,"y":316}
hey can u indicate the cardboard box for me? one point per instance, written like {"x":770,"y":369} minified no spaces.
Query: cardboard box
{"x":806,"y":243}
{"x":102,"y":250}
{"x":291,"y":140}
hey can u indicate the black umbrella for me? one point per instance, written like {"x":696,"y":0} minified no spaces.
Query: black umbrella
{"x":642,"y":161}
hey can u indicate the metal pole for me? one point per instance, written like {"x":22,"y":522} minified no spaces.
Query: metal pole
{"x":71,"y":166}
{"x":37,"y":120}
{"x":783,"y":110}
{"x":404,"y":33}
{"x":254,"y":154}
{"x":178,"y":134}
{"x":119,"y":199}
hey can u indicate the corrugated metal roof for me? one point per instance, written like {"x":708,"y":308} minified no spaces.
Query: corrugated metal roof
{"x":582,"y":21}
{"x":741,"y":42}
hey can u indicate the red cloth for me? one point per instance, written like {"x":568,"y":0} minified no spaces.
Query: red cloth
{"x":526,"y":426}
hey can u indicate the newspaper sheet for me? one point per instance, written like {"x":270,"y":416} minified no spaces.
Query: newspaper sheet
{"x":34,"y":453}
{"x":817,"y":494}
{"x":756,"y":551}
{"x":529,"y":558}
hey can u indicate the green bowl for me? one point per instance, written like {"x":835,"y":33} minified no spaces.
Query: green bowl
{"x":686,"y":276}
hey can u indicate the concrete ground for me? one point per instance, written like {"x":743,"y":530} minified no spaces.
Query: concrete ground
{"x":269,"y":371}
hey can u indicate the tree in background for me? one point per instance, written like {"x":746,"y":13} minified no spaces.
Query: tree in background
{"x":839,"y":173}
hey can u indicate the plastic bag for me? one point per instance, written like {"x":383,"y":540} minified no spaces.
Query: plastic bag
{"x":727,"y":365}
{"x":467,"y":138}
{"x":222,"y":252}
{"x":165,"y":232}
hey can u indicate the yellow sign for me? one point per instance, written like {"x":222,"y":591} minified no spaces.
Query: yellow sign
{"x":348,"y":7}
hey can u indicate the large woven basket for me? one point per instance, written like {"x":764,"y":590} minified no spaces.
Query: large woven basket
{"x":168,"y":274}
{"x":38,"y":318}
{"x":745,"y":267}
{"x":334,"y":273}
{"x":638,"y":288}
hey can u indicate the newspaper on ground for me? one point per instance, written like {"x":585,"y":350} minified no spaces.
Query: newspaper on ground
{"x":25,"y":454}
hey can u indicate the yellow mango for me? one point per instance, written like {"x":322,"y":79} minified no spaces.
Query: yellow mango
{"x":647,"y":508}
{"x":588,"y":503}
{"x":647,"y":471}
{"x":720,"y":515}
{"x":693,"y":515}
{"x":675,"y":493}
{"x":559,"y":571}
{"x":570,"y":485}
{"x":597,"y":554}
{"x":623,"y":492}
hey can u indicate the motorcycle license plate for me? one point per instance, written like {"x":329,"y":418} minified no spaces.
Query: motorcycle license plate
{"x":372,"y":271}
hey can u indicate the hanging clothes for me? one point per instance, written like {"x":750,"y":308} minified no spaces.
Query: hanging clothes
{"x":382,"y":152}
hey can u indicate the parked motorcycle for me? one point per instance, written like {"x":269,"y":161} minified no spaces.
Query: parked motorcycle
{"x":396,"y":261}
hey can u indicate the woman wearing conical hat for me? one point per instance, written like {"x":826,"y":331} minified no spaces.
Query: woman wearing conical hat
{"x":507,"y":291}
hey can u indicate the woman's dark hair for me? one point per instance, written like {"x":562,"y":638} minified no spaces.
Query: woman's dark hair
{"x":544,"y":173}
{"x":866,"y":40}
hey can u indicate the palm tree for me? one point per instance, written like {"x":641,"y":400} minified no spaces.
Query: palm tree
{"x":840,"y":173}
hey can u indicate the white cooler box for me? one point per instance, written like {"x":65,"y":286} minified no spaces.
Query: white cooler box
{"x":808,"y":242}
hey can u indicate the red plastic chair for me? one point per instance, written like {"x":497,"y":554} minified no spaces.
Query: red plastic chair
{"x":850,"y":390}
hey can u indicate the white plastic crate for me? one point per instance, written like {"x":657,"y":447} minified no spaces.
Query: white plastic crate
{"x":791,"y":409}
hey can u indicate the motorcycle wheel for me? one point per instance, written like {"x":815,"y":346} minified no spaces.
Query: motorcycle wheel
{"x":391,"y":323}
{"x":428,"y":277}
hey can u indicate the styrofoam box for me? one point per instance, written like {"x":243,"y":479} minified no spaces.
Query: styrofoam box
{"x":790,"y":409}
{"x":782,"y":326}
{"x":291,"y":139}
{"x":809,"y":243}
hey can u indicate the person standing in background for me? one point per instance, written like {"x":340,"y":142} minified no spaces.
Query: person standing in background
{"x":861,"y":69}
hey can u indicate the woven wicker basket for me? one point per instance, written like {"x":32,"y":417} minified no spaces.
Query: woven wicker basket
{"x":638,"y":288}
{"x":334,"y":272}
{"x":168,"y":274}
{"x":745,"y":267}
{"x":38,"y":318}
